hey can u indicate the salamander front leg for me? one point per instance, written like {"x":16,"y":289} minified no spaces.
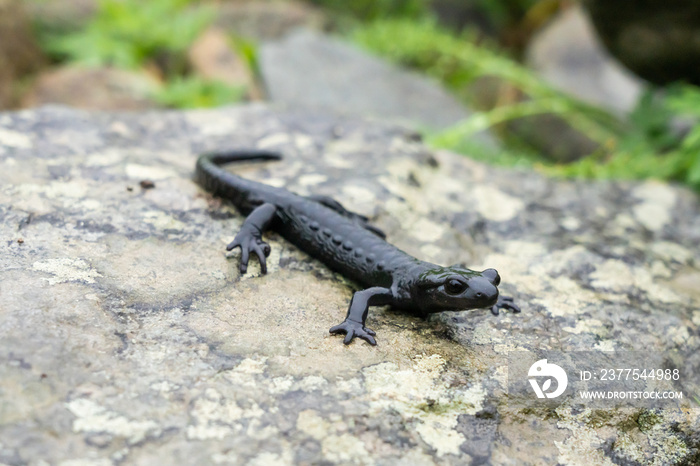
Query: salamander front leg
{"x":249,"y":239}
{"x":504,"y":302}
{"x":354,"y":323}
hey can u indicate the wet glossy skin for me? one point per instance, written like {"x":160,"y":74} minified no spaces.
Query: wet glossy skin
{"x":347,"y":243}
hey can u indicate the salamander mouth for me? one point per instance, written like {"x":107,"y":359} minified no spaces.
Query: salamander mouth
{"x":482,"y":302}
{"x":490,"y":301}
{"x":482,"y":293}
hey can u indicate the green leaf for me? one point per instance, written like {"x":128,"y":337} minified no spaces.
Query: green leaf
{"x":694,"y":171}
{"x":127,"y":33}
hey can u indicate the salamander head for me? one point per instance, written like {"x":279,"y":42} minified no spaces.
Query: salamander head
{"x":456,"y":288}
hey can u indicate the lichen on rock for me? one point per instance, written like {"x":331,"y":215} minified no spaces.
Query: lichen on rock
{"x":127,"y":335}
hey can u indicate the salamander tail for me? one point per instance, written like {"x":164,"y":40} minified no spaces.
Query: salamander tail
{"x":211,"y":177}
{"x":252,"y":155}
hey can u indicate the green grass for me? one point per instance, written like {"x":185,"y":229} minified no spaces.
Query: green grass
{"x":650,"y":149}
{"x":457,"y":61}
{"x":132,"y":34}
{"x":128,"y":33}
{"x":137,"y":33}
{"x":641,"y":147}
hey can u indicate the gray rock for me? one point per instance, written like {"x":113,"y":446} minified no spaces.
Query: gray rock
{"x":213,"y":57}
{"x":553,"y":137}
{"x":569,"y":55}
{"x":267,"y":19}
{"x":316,"y":71}
{"x":103,"y":88}
{"x":128,"y":337}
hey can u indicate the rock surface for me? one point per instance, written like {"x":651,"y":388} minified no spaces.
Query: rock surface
{"x":128,"y":337}
{"x":311,"y":70}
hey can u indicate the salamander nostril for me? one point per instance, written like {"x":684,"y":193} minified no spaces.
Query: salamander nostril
{"x":480,"y":295}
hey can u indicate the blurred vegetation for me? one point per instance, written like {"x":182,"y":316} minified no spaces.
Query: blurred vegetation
{"x":650,"y":148}
{"x":156,"y":34}
{"x":128,"y":33}
{"x":370,"y":10}
{"x":643,"y":146}
{"x":457,"y":61}
{"x":193,"y":92}
{"x":501,"y":13}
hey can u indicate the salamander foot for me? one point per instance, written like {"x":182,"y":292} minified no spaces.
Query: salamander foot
{"x":505,"y":302}
{"x":250,"y":243}
{"x":353,"y":329}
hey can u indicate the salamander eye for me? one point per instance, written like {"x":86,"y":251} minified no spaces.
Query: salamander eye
{"x":492,"y":276}
{"x":454,"y":286}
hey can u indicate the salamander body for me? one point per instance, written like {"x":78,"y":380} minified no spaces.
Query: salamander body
{"x":347,"y":243}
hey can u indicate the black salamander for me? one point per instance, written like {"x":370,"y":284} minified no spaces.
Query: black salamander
{"x":348,"y":244}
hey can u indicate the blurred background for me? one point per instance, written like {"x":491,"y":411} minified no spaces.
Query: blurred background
{"x":590,"y":88}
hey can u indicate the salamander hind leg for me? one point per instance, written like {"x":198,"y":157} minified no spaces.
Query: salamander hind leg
{"x":504,"y":302}
{"x":249,"y":238}
{"x":339,"y":208}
